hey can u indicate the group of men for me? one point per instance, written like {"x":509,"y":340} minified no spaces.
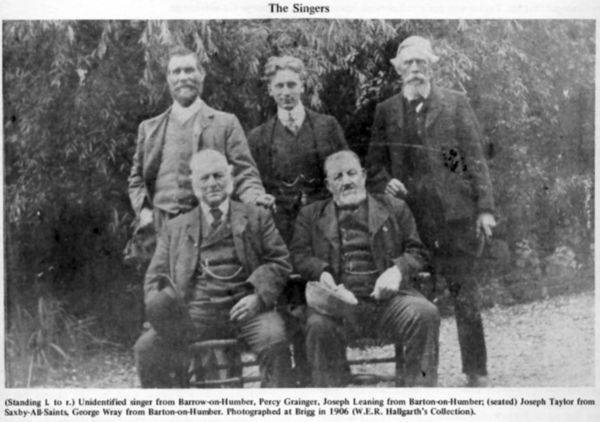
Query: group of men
{"x":236,"y":217}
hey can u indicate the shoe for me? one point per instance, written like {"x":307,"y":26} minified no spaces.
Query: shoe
{"x":477,"y":381}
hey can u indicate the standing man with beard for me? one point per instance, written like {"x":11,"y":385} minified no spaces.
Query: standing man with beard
{"x":159,"y":183}
{"x":370,"y":244}
{"x":426,"y":148}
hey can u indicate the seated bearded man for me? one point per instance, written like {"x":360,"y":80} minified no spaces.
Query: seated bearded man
{"x":370,"y":245}
{"x":216,"y":273}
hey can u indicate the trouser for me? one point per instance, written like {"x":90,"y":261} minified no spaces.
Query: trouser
{"x":158,"y":357}
{"x":464,"y":289}
{"x":407,"y":319}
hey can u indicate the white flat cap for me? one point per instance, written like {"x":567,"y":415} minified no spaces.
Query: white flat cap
{"x":415,"y":42}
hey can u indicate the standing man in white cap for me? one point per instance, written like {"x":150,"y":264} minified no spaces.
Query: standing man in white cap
{"x":426,"y":148}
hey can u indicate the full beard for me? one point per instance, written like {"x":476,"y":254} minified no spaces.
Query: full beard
{"x":351,"y":199}
{"x":416,"y":88}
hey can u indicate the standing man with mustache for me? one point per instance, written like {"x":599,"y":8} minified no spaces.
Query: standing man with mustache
{"x":426,"y":148}
{"x":370,"y":244}
{"x":159,"y":183}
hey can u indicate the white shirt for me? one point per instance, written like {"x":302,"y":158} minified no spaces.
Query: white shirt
{"x":182,"y":113}
{"x":224,"y":207}
{"x":298,"y":114}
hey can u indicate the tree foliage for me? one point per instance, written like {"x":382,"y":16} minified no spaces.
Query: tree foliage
{"x":75,"y":92}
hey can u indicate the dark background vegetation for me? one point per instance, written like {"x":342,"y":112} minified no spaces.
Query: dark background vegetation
{"x":75,"y":91}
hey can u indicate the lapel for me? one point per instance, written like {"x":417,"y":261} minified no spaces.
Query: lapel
{"x":201,"y":121}
{"x":397,"y":107}
{"x":267,"y":141}
{"x":378,"y":215}
{"x":434,"y":107}
{"x":266,"y":144}
{"x":153,"y":144}
{"x":239,"y":221}
{"x":187,"y":253}
{"x":327,"y":226}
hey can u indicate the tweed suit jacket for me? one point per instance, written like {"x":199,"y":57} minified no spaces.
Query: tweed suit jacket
{"x":212,"y":129}
{"x":394,"y":239}
{"x":327,"y":133}
{"x":257,"y":243}
{"x":453,"y":147}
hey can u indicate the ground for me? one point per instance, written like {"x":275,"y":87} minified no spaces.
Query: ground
{"x":548,"y":343}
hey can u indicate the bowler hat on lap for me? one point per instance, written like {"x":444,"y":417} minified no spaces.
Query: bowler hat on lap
{"x":168,"y":315}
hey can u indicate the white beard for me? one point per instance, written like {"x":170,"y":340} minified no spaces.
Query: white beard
{"x":413,"y":90}
{"x":351,"y":199}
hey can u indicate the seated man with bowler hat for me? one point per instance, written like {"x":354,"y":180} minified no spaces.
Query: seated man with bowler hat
{"x":216,"y":273}
{"x":370,"y":245}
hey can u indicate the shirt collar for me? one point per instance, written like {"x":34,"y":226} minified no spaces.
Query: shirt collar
{"x":184,"y":113}
{"x":224,"y":207}
{"x":298,"y":114}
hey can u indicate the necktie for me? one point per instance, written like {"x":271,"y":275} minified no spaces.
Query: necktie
{"x":217,"y":214}
{"x":291,"y":124}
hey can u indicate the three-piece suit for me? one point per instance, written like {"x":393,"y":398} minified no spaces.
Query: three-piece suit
{"x":379,"y":235}
{"x":187,"y":257}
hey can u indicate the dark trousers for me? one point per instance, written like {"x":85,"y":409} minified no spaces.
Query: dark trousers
{"x":407,"y":319}
{"x":157,"y":358}
{"x":464,"y":289}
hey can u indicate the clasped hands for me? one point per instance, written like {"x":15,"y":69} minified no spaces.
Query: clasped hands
{"x":386,"y":285}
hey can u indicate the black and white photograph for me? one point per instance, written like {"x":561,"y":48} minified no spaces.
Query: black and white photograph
{"x":303,"y":212}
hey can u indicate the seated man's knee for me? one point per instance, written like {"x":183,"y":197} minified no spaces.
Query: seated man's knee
{"x":427,"y":312}
{"x":145,"y":345}
{"x":267,"y":331}
{"x":409,"y":311}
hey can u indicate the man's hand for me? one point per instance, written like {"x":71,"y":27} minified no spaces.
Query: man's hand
{"x":327,"y":279}
{"x":396,"y":188}
{"x":485,"y":224}
{"x":146,"y":218}
{"x":265,"y":200}
{"x":387,"y":284}
{"x":246,"y":308}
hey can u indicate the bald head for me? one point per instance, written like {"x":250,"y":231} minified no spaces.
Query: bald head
{"x":212,"y":179}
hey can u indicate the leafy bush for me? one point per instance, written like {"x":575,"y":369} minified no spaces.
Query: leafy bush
{"x":75,"y":91}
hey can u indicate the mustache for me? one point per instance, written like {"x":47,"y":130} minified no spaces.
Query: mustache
{"x":416,"y":77}
{"x":349,"y":186}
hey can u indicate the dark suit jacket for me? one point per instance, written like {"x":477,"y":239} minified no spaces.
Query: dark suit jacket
{"x":212,"y":129}
{"x":452,"y":140}
{"x":258,"y":246}
{"x":394,"y":239}
{"x":328,"y":134}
